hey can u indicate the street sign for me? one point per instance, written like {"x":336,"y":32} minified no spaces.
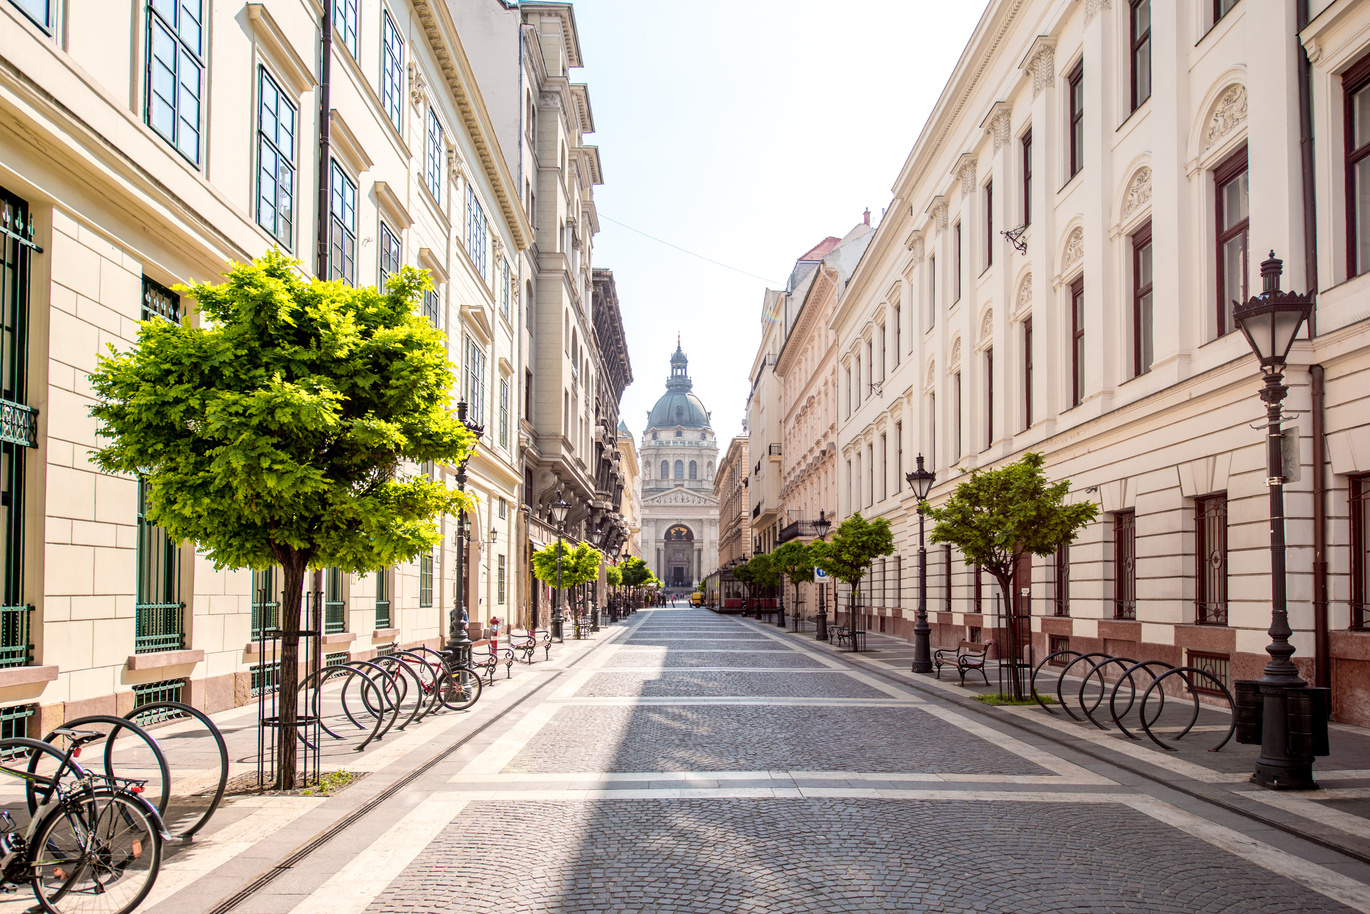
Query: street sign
{"x":820,"y":575}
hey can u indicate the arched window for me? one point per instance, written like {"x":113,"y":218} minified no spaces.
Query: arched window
{"x":680,"y":469}
{"x":694,"y":470}
{"x":665,"y":470}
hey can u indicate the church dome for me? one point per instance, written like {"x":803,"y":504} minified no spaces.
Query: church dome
{"x":678,"y":408}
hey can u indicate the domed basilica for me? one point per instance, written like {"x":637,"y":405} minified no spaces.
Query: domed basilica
{"x":679,"y":510}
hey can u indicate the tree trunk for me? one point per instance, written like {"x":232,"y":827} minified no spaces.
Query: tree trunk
{"x":287,"y":679}
{"x":1012,"y":652}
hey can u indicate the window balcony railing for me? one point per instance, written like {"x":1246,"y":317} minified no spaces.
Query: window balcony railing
{"x":334,"y":617}
{"x":775,"y":450}
{"x":15,"y":646}
{"x":158,"y":627}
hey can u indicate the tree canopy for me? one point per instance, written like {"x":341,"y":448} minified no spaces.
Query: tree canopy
{"x":614,"y":575}
{"x":275,"y":431}
{"x":635,"y":572}
{"x":855,"y":543}
{"x":579,"y":563}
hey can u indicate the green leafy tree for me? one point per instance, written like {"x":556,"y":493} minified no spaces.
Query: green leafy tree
{"x":848,"y":553}
{"x":614,"y":575}
{"x":757,"y":573}
{"x":795,"y":562}
{"x":998,"y":516}
{"x":579,"y":563}
{"x":636,"y":575}
{"x":274,"y":433}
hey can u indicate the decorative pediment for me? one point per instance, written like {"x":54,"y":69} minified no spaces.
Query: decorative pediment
{"x":1075,"y":248}
{"x":1229,"y":112}
{"x":1138,"y":192}
{"x":1025,"y":294}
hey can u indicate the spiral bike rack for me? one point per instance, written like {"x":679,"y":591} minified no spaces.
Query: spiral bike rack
{"x":162,"y":797}
{"x":354,"y":670}
{"x":184,"y":711}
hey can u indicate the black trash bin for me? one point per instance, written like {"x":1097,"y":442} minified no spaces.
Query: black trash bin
{"x":1308,"y":712}
{"x":1249,"y":711}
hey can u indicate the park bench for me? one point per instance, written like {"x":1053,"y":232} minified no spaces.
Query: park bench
{"x":523,"y":646}
{"x":485,"y":656}
{"x":967,"y":656}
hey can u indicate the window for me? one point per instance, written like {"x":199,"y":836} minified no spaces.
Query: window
{"x":1076,"y":98}
{"x":884,"y":472}
{"x":40,"y":11}
{"x":946,"y":577}
{"x":159,"y":612}
{"x":898,"y":454}
{"x":432,"y":173}
{"x":665,"y":469}
{"x":1356,"y":86}
{"x":694,"y":470}
{"x":342,"y":228}
{"x":175,"y":73}
{"x":1027,"y":373}
{"x":1219,"y":666}
{"x":680,"y":469}
{"x":932,"y":292}
{"x":1360,"y":550}
{"x":989,"y":225}
{"x":499,"y":579}
{"x":275,"y":161}
{"x":1141,"y":301}
{"x":1125,"y":564}
{"x":503,"y":509}
{"x":956,"y":264}
{"x":849,"y":391}
{"x":392,"y":71}
{"x":1210,"y":560}
{"x":1077,"y":337}
{"x":390,"y":256}
{"x":1060,"y":598}
{"x":266,"y":601}
{"x":1232,"y":212}
{"x":897,"y":329}
{"x":334,"y":607}
{"x":1027,"y":178}
{"x":383,"y":598}
{"x":1141,"y":51}
{"x":345,"y":22}
{"x":503,"y":414}
{"x":956,"y":418}
{"x":505,"y":288}
{"x":425,"y":580}
{"x":989,"y":396}
{"x":477,"y":231}
{"x":1221,"y":8}
{"x":475,"y":382}
{"x":432,"y":308}
{"x":159,"y":301}
{"x":932,"y":429}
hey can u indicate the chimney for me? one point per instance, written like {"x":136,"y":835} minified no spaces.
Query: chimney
{"x":868,"y":215}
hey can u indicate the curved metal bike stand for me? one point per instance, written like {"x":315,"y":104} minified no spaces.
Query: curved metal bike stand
{"x":116,"y":724}
{"x":390,"y":685}
{"x":1060,"y":680}
{"x":433,"y":679}
{"x":1045,"y":661}
{"x":326,"y":673}
{"x":181,"y":708}
{"x":1103,"y":686}
{"x":395,"y":666}
{"x":1183,"y":672}
{"x":1113,"y":711}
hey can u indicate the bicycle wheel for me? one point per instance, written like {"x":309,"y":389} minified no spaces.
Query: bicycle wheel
{"x":98,"y":854}
{"x":459,"y":689}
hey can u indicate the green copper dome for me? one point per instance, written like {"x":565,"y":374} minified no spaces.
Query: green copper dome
{"x":679,"y":408}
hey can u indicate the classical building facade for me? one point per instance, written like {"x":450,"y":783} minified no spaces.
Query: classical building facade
{"x":116,"y":188}
{"x":679,"y":509}
{"x":1096,"y":186}
{"x":734,"y":520}
{"x":630,"y":502}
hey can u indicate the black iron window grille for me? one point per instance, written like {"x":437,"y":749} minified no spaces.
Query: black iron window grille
{"x":266,"y":603}
{"x":151,"y":692}
{"x":426,"y":580}
{"x":383,"y":598}
{"x":339,"y":659}
{"x":334,"y":607}
{"x":385,"y":650}
{"x":1219,"y":666}
{"x":276,"y":125}
{"x":1360,"y":550}
{"x":175,"y":73}
{"x":18,"y":429}
{"x":14,"y":724}
{"x":159,"y":301}
{"x":1060,"y":599}
{"x":1056,"y":643}
{"x":1210,"y":560}
{"x":392,"y":71}
{"x":1125,"y":564}
{"x":264,"y":677}
{"x":159,"y":613}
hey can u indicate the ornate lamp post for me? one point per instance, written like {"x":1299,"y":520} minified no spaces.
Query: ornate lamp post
{"x":920,"y":480}
{"x":596,"y":539}
{"x":458,"y":640}
{"x":558,"y":511}
{"x":1270,"y":321}
{"x":821,"y":625}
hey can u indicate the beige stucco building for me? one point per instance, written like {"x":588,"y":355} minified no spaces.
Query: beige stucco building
{"x":730,"y":488}
{"x":115,"y":188}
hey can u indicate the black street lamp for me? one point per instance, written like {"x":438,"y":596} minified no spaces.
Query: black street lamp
{"x":458,"y":640}
{"x":1270,"y":322}
{"x":596,"y":539}
{"x":920,"y":480}
{"x":558,"y":511}
{"x":821,"y":623}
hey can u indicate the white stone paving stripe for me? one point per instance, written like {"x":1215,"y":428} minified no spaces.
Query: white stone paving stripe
{"x":1342,"y":889}
{"x":502,"y":751}
{"x":751,"y":793}
{"x":1049,"y":761}
{"x":1316,"y":811}
{"x":609,"y":777}
{"x":641,"y":701}
{"x":211,"y":851}
{"x":352,"y":889}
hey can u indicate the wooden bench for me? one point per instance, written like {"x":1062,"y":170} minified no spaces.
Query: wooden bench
{"x":967,"y":656}
{"x":485,"y":656}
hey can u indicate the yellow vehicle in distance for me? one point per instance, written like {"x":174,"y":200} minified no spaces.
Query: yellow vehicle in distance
{"x":696,"y":599}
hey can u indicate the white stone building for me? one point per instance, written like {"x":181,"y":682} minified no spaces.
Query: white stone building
{"x":1146,"y":158}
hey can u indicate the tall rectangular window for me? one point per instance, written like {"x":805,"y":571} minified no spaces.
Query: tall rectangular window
{"x":897,"y":332}
{"x":1210,"y":559}
{"x":989,"y":396}
{"x":932,"y":428}
{"x":503,"y":412}
{"x":506,"y":288}
{"x":16,"y":276}
{"x":932,"y":292}
{"x":1125,"y":564}
{"x":390,"y":256}
{"x":989,"y":224}
{"x":1360,"y":550}
{"x":175,"y":73}
{"x":956,"y":417}
{"x":40,"y":11}
{"x":1233,"y":220}
{"x":1060,"y":599}
{"x":275,"y":161}
{"x":432,"y":174}
{"x":1076,"y":97}
{"x":346,"y":22}
{"x":1027,"y":373}
{"x":392,"y":71}
{"x":1356,"y":89}
{"x":1141,"y":301}
{"x":475,"y":382}
{"x":432,"y":308}
{"x":500,"y":578}
{"x":1027,"y":177}
{"x":946,"y":578}
{"x":884,"y":466}
{"x":383,"y":597}
{"x":477,"y":231}
{"x":266,"y":600}
{"x":426,"y":580}
{"x":956,"y":263}
{"x":159,"y":613}
{"x":1221,"y":8}
{"x":342,"y":227}
{"x":1140,"y":17}
{"x":898,"y":454}
{"x":334,"y":607}
{"x":1077,"y":341}
{"x":158,"y":301}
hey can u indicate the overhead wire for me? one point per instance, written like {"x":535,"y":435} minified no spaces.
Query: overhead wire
{"x":687,"y":250}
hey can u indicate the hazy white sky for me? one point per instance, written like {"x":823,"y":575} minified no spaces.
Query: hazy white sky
{"x":745,"y":131}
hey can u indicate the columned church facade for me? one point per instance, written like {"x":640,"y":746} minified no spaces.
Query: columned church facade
{"x":679,"y":460}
